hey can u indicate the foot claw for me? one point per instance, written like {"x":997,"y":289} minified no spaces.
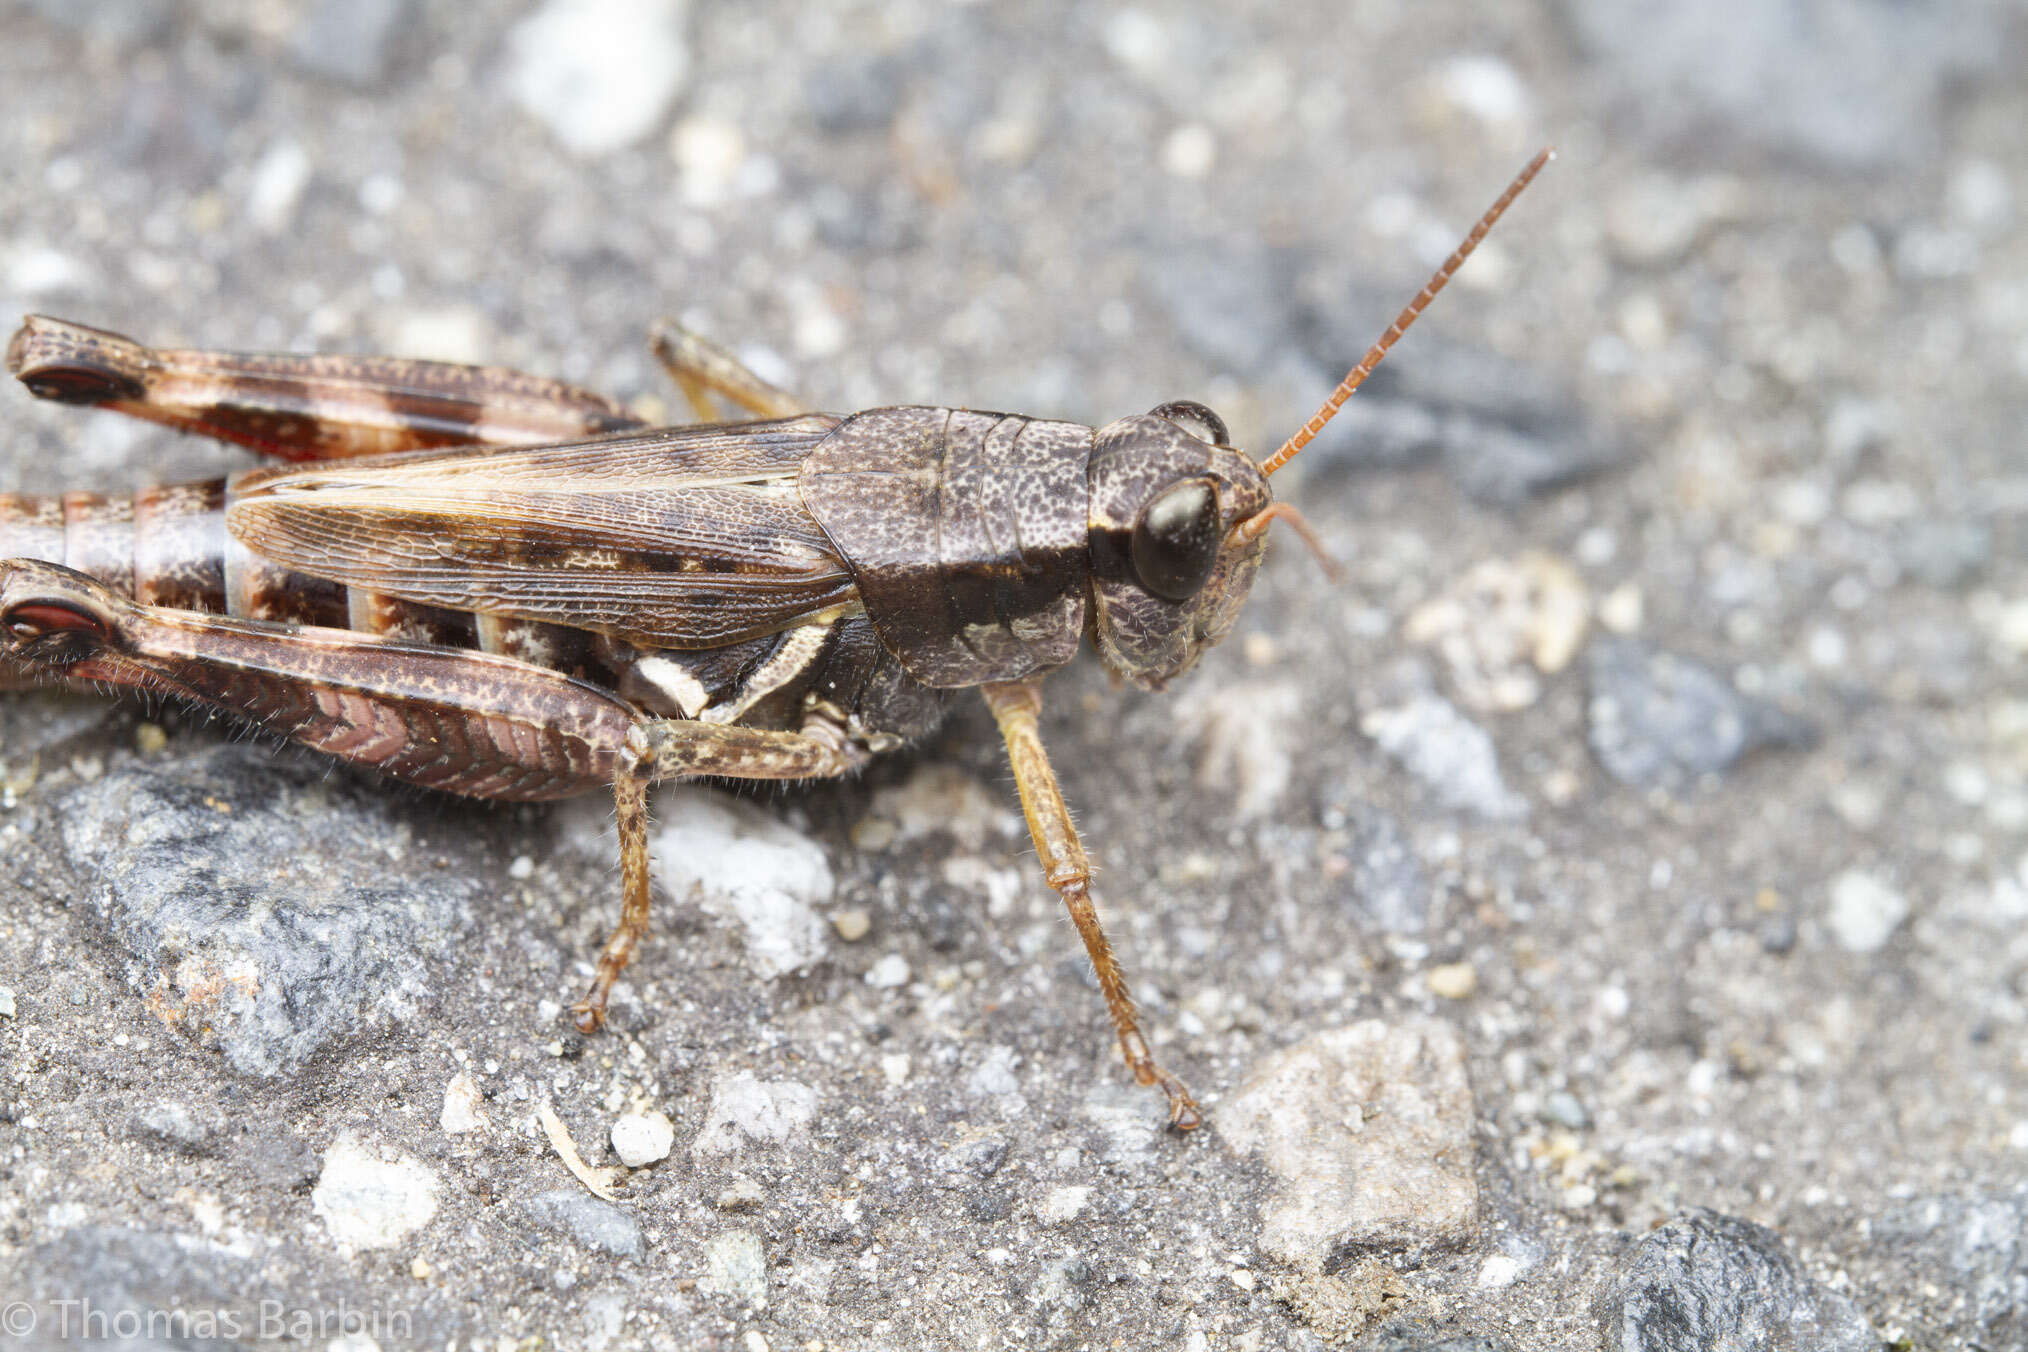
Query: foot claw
{"x":588,"y":1014}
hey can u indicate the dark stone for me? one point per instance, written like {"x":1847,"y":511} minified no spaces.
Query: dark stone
{"x":145,"y":1292}
{"x":1657,"y":720}
{"x":974,"y":1159}
{"x":253,"y":903}
{"x":1502,"y":430}
{"x":1707,"y":1280}
{"x":591,"y":1222}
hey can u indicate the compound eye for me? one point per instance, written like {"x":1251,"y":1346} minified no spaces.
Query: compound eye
{"x":1196,"y":419}
{"x":33,"y":619}
{"x":1176,"y":540}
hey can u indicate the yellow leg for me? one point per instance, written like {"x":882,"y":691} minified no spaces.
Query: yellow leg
{"x":701,"y":368}
{"x":678,"y":748}
{"x":1016,"y":705}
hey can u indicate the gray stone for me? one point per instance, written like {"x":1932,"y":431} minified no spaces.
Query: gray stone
{"x":173,"y":1124}
{"x":1502,"y":430}
{"x":1707,"y":1280}
{"x":127,"y":21}
{"x":856,"y":92}
{"x":1386,"y":890}
{"x":1657,"y":720}
{"x":736,"y":1266}
{"x":349,"y":40}
{"x":1232,"y":305}
{"x":1367,"y":1132}
{"x":1944,"y":553}
{"x":595,"y":1224}
{"x":1978,"y":1244}
{"x":1847,"y":83}
{"x":1452,"y":756}
{"x":258,"y":903}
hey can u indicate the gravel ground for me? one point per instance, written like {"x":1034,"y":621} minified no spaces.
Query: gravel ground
{"x":1599,"y":921}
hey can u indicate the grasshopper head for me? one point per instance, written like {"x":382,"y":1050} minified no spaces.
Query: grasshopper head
{"x":1169,"y":574}
{"x":1179,"y":518}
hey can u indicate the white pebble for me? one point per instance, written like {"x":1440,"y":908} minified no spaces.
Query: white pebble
{"x":642,"y":1139}
{"x":464,"y":1108}
{"x":744,"y":1109}
{"x":279,"y":177}
{"x":1498,"y":1271}
{"x":1190,"y":151}
{"x":600,"y":74}
{"x":890,"y":973}
{"x":742,"y":864}
{"x":1064,"y":1204}
{"x":1865,"y":912}
{"x":370,"y":1198}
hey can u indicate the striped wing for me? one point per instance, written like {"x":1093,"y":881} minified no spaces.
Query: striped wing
{"x":687,"y":537}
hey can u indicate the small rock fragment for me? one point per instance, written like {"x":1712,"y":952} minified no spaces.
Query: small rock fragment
{"x":1397,"y":1173}
{"x":250,"y":899}
{"x":890,"y":973}
{"x":735,"y":1266}
{"x":1449,"y":753}
{"x":1503,"y":625}
{"x":1864,"y":912}
{"x":600,"y":74}
{"x":852,"y":924}
{"x":595,"y":1224}
{"x":6,"y":1002}
{"x":940,"y":799}
{"x":766,"y":1112}
{"x":642,"y":1139}
{"x":742,"y":1194}
{"x":174,"y":1125}
{"x":371,"y":1197}
{"x":1386,"y":889}
{"x":349,"y":39}
{"x":464,"y":1108}
{"x":1707,"y":1280}
{"x":1063,"y":1205}
{"x":1453,"y":980}
{"x":744,"y":865}
{"x":1657,"y":720}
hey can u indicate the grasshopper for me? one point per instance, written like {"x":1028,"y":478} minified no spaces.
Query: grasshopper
{"x":502,"y":586}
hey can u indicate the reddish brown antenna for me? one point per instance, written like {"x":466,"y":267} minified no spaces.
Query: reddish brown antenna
{"x":1357,"y":376}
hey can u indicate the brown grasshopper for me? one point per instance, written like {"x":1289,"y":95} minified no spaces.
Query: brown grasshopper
{"x":497,"y":585}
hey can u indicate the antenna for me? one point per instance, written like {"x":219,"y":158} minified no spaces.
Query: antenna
{"x":1357,"y":376}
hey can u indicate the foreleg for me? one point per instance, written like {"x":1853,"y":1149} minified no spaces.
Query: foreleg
{"x":1016,"y":706}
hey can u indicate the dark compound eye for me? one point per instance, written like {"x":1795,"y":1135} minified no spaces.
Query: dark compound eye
{"x":1176,"y":540}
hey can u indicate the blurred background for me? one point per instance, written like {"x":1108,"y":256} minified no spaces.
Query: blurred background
{"x":1668,"y":739}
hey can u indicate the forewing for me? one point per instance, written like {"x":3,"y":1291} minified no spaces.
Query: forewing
{"x":679,"y":538}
